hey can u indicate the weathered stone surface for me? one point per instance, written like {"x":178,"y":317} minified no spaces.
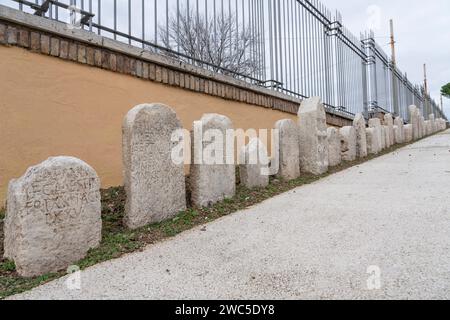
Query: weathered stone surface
{"x":432,"y":124}
{"x":53,"y":216}
{"x":145,"y":73}
{"x":133,"y":69}
{"x":45,"y":44}
{"x":120,"y":63}
{"x":152,"y":74}
{"x":442,"y":124}
{"x":54,"y":47}
{"x":389,"y":123}
{"x":138,"y":69}
{"x":98,"y":57}
{"x":428,"y":128}
{"x":347,"y":136}
{"x":396,"y":132}
{"x":421,"y":127}
{"x":375,"y":123}
{"x":213,"y":176}
{"x":438,"y":124}
{"x":90,"y":52}
{"x":383,"y":138}
{"x":334,"y":147}
{"x":313,"y":137}
{"x":73,"y":51}
{"x":158,"y":76}
{"x":154,"y":184}
{"x":24,"y":38}
{"x":422,"y":119}
{"x":373,"y":143}
{"x":165,"y":77}
{"x":414,"y":121}
{"x":399,"y":135}
{"x":408,"y":131}
{"x":386,"y":137}
{"x":64,"y":49}
{"x":289,"y":149}
{"x":172,"y":79}
{"x":359,"y":123}
{"x":113,"y":62}
{"x":2,"y":33}
{"x":35,"y":41}
{"x":81,"y":54}
{"x":106,"y":60}
{"x":12,"y":35}
{"x":254,"y":165}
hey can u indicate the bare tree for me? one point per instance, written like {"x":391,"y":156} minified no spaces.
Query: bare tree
{"x":224,"y":44}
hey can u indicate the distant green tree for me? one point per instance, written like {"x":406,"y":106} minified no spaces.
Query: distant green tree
{"x":446,"y":90}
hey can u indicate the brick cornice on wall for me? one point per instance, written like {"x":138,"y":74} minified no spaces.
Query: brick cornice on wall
{"x":57,"y":39}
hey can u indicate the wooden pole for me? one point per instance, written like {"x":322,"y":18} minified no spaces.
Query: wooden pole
{"x":394,"y":60}
{"x":394,"y":70}
{"x":425,"y":86}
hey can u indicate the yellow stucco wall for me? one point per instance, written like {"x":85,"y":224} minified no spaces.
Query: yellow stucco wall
{"x":51,"y":107}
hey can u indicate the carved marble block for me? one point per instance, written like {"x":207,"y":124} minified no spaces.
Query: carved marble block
{"x":154,"y":182}
{"x":53,"y":216}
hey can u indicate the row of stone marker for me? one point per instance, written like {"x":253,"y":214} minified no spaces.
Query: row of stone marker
{"x":54,"y":210}
{"x":350,"y":143}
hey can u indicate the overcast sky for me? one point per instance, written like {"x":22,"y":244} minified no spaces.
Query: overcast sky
{"x":422,"y":33}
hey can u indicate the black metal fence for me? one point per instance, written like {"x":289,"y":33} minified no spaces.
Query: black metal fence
{"x":298,"y":47}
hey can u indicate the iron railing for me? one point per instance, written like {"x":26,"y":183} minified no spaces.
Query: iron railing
{"x":299,"y":47}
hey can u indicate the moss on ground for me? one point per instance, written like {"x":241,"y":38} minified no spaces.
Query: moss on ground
{"x":117,"y":240}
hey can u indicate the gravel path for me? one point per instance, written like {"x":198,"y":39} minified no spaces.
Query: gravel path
{"x":317,"y":241}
